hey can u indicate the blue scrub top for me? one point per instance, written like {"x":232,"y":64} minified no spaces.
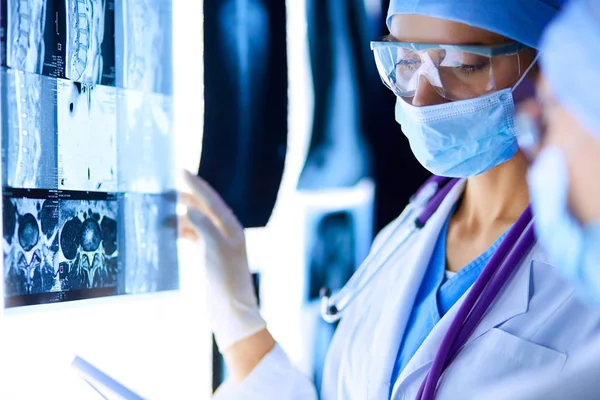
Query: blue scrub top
{"x":435,"y":298}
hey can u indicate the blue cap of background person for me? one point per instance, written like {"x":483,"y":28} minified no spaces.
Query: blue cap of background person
{"x":570,"y":58}
{"x":520,"y":20}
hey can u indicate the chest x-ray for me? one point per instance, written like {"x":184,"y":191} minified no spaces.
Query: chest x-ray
{"x":87,"y":149}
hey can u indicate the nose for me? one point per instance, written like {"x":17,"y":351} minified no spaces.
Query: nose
{"x":426,"y":95}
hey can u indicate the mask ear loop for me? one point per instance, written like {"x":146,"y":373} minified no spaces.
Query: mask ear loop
{"x":492,"y":81}
{"x":522,"y":78}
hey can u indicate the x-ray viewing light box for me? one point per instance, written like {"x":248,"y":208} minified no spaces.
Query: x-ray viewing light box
{"x":89,"y":152}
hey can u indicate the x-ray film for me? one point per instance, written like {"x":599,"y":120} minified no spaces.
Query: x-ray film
{"x":150,"y":242}
{"x":88,"y":167}
{"x":145,"y":128}
{"x":87,"y":124}
{"x":90,"y":46}
{"x":29,"y":136}
{"x":24,"y":23}
{"x":143,"y":42}
{"x":59,"y":245}
{"x":71,"y":39}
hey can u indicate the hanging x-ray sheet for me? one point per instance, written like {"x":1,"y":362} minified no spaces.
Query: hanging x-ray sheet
{"x":88,"y":173}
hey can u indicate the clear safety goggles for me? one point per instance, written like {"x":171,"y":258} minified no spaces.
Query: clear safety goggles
{"x":456,"y":72}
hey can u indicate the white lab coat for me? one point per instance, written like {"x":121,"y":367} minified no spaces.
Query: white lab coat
{"x":535,"y":323}
{"x":578,"y":380}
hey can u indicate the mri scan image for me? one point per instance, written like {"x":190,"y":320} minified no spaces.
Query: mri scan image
{"x":87,"y":124}
{"x":24,"y":24}
{"x":54,"y":244}
{"x":88,"y":248}
{"x":73,"y":39}
{"x":30,"y":243}
{"x":29,"y":146}
{"x":150,"y":242}
{"x":90,"y":41}
{"x":88,"y":165}
{"x":145,"y":128}
{"x":143,"y":38}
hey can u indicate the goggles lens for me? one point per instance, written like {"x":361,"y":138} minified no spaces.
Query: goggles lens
{"x":456,"y":72}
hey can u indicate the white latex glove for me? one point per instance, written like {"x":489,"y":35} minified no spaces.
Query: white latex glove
{"x":233,"y":309}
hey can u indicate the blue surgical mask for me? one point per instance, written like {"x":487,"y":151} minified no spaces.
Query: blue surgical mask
{"x":463,"y":138}
{"x":573,"y":248}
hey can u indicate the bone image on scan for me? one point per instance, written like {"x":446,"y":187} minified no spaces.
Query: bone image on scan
{"x":145,"y":128}
{"x":30,"y":158}
{"x":29,"y":243}
{"x":53,"y":245}
{"x":25,"y":41}
{"x":85,"y":32}
{"x":88,"y":256}
{"x":147,"y":54}
{"x":151,"y":243}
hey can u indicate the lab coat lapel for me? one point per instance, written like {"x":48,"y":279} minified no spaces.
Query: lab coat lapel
{"x":512,"y":300}
{"x":425,"y":354}
{"x":399,"y":297}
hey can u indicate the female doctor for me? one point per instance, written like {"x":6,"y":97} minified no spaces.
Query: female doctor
{"x":561,"y":131}
{"x":456,"y":66}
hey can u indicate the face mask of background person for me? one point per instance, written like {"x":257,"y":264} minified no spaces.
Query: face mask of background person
{"x":564,"y":182}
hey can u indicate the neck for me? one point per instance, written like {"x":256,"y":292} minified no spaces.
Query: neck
{"x":498,"y":195}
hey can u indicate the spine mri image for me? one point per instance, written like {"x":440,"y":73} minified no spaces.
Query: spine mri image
{"x":54,"y":245}
{"x":87,"y":149}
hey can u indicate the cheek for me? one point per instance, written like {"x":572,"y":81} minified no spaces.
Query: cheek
{"x":584,"y":191}
{"x":557,"y":135}
{"x":582,"y":154}
{"x":561,"y":129}
{"x":506,"y":72}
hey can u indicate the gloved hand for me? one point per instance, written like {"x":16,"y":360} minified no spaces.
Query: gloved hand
{"x":233,"y":309}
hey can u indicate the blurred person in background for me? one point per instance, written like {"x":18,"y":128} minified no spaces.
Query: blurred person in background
{"x":560,"y":130}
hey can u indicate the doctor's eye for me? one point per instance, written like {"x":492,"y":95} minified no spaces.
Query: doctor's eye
{"x":468,"y":69}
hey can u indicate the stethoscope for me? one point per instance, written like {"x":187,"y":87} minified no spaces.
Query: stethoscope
{"x":421,"y":207}
{"x":513,"y":249}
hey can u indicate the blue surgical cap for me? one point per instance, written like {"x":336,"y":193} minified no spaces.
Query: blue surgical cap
{"x":519,"y":20}
{"x":570,"y":57}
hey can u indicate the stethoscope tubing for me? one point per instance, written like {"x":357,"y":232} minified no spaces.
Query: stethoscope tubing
{"x":332,"y":307}
{"x":518,"y":242}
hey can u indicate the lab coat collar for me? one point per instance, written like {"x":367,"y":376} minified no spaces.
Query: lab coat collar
{"x":400,"y":295}
{"x":513,"y":300}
